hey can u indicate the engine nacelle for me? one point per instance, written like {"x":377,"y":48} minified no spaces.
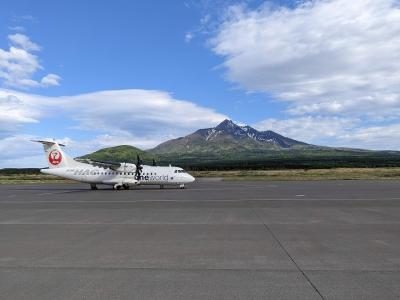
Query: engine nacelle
{"x":126,"y":167}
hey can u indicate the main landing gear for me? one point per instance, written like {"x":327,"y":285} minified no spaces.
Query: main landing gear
{"x":93,"y":186}
{"x":119,"y":186}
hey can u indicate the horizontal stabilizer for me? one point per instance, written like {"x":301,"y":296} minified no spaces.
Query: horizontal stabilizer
{"x":48,"y":143}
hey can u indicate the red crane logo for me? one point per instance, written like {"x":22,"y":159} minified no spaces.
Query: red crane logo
{"x":55,"y":157}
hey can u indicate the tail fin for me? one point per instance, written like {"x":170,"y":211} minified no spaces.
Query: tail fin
{"x":55,"y":156}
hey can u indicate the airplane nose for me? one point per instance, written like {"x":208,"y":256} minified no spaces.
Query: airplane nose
{"x":191,"y":178}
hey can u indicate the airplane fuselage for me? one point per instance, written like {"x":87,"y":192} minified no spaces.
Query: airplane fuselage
{"x":118,"y":175}
{"x":150,"y":175}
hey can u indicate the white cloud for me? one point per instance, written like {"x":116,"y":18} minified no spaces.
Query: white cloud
{"x":50,"y":79}
{"x":188,"y":37}
{"x":14,"y":113}
{"x":22,"y":41}
{"x":18,"y":65}
{"x":17,"y":28}
{"x":323,"y":57}
{"x":374,"y":137}
{"x":142,"y":118}
{"x":24,"y":18}
{"x":135,"y":112}
{"x":19,"y":152}
{"x":314,"y":130}
{"x":336,"y":132}
{"x":133,"y":117}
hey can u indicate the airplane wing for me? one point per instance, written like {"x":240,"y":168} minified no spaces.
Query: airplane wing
{"x":101,"y":164}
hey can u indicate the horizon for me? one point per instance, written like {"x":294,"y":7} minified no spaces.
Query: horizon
{"x":321,"y":72}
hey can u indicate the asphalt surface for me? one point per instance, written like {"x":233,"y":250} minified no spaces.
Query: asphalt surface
{"x":215,"y":240}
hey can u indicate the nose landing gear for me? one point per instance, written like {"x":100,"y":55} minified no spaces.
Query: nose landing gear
{"x":182,"y":186}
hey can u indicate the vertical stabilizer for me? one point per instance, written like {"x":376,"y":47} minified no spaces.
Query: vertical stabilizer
{"x":55,"y":156}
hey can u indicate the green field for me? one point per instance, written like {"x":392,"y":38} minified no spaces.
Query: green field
{"x":305,"y":174}
{"x":267,"y":175}
{"x":31,"y":178}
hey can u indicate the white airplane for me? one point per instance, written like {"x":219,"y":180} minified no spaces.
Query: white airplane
{"x":118,"y":175}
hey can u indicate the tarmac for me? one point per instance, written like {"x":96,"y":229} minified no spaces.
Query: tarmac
{"x":214,"y":240}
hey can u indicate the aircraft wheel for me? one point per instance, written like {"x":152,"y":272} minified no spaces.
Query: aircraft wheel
{"x":126,"y":187}
{"x":93,"y":187}
{"x":181,"y":186}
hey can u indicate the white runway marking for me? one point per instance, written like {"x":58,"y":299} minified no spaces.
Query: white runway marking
{"x":138,"y":189}
{"x":193,"y":201}
{"x":55,"y":193}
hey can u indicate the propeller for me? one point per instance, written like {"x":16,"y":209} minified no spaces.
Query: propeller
{"x":154,"y":162}
{"x":138,"y":168}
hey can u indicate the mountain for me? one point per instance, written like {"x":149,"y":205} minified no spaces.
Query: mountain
{"x":230,"y":146}
{"x":124,"y":153}
{"x":226,"y":138}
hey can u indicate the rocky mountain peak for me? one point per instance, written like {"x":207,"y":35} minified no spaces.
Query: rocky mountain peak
{"x":228,"y":136}
{"x":226,"y":125}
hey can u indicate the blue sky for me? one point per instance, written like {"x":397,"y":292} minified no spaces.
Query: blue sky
{"x":131,"y":44}
{"x":102,"y":73}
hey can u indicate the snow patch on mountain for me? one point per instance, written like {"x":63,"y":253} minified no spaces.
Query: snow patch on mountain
{"x":227,"y":127}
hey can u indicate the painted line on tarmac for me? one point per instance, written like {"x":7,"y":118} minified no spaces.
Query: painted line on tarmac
{"x":63,"y":192}
{"x":191,"y":201}
{"x":160,"y":190}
